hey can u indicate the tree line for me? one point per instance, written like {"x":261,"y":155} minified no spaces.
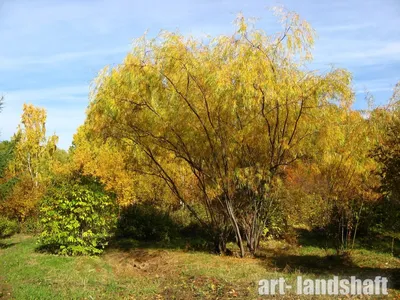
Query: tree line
{"x":238,"y":131}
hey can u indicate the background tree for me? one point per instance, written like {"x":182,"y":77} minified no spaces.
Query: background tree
{"x":387,"y":154}
{"x":30,"y":164}
{"x":6,"y":155}
{"x":33,"y":150}
{"x":342,"y":182}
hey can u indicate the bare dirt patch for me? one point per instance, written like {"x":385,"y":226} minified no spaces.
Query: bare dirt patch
{"x":5,"y":289}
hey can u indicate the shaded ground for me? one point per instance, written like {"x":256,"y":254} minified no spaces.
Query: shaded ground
{"x":133,"y":270}
{"x":375,"y":242}
{"x":6,"y":245}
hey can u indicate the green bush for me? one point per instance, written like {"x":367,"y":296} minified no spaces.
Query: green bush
{"x":77,"y":219}
{"x":7,"y":227}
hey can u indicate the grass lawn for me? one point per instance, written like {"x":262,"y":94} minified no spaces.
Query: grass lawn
{"x":148,"y":272}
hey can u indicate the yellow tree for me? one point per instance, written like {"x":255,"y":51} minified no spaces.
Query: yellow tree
{"x":33,"y":149}
{"x":31,"y":162}
{"x":387,"y":154}
{"x":226,"y":116}
{"x":338,"y":180}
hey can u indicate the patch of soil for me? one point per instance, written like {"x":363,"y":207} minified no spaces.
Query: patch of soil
{"x":138,"y":260}
{"x":5,"y":289}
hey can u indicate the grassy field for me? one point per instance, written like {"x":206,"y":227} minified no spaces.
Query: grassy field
{"x":143,"y":271}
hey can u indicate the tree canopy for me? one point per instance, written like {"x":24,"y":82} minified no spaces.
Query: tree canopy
{"x":217,"y":121}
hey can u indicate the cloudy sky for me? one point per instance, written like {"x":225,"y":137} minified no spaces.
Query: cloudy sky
{"x":51,"y":50}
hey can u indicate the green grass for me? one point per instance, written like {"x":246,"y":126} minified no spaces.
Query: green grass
{"x":150,"y":272}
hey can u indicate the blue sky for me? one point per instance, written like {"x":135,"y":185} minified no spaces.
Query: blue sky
{"x":51,"y":50}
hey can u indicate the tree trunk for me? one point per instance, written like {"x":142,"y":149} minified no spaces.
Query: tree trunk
{"x":220,"y":243}
{"x":235,"y":228}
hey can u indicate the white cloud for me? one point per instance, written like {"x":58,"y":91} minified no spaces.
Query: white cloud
{"x":350,"y":53}
{"x":45,"y":94}
{"x":389,"y":51}
{"x":23,"y":62}
{"x":374,"y":85}
{"x":344,"y":28}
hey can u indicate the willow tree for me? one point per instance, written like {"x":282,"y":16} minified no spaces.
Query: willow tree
{"x":227,"y":114}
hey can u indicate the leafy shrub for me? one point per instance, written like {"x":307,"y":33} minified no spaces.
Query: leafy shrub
{"x":7,"y":227}
{"x":146,"y":222}
{"x":77,"y":219}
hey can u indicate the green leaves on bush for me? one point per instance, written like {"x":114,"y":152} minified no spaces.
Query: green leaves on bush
{"x":77,"y":219}
{"x":7,"y":227}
